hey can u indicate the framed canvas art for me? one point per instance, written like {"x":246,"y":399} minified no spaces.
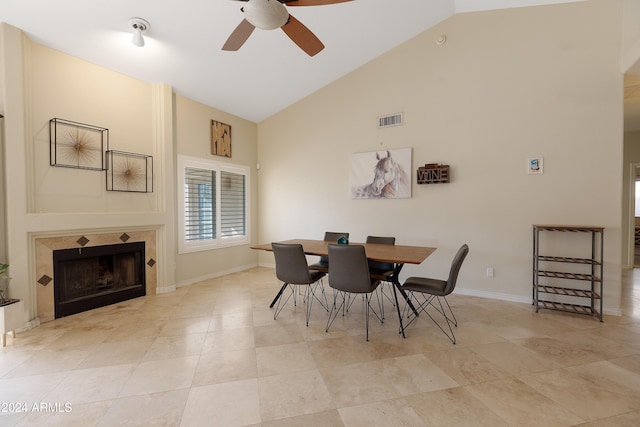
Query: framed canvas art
{"x":381,"y":174}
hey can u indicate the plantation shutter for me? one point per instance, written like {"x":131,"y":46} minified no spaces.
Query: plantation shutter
{"x":232,"y":204}
{"x":199,"y":204}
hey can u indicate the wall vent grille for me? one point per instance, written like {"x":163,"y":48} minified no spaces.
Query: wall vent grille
{"x":390,"y":120}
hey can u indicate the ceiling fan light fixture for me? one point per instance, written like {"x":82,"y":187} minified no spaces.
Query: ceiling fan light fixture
{"x":139,"y":26}
{"x":266,"y":14}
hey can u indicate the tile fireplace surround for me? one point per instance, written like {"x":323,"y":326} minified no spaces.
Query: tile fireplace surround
{"x":45,"y":246}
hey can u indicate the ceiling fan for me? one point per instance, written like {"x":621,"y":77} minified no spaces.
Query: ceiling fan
{"x":272,"y":14}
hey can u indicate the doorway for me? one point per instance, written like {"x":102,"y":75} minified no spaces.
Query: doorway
{"x":634,"y":214}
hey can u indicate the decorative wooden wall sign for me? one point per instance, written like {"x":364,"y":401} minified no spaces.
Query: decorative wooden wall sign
{"x":220,"y":139}
{"x":433,"y":173}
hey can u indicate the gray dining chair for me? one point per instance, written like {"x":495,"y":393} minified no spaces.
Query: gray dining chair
{"x":292,"y":270}
{"x":383,"y":271}
{"x":349,"y":274}
{"x":323,"y":262}
{"x":435,"y":290}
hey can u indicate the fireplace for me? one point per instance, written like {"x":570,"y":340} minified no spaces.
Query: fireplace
{"x":92,"y":277}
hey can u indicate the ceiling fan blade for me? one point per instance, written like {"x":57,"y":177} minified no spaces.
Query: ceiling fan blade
{"x":239,"y":35}
{"x":302,"y":36}
{"x":311,"y":2}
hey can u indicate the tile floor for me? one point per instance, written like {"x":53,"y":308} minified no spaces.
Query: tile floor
{"x":211,"y":354}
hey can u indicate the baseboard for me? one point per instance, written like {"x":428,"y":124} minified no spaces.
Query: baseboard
{"x":166,"y":289}
{"x":520,"y":299}
{"x":29,"y":325}
{"x":215,"y":275}
{"x":494,"y":295}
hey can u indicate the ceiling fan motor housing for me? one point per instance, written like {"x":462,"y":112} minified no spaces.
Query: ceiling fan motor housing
{"x":266,"y":14}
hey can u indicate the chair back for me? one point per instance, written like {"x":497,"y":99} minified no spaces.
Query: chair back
{"x":291,"y":263}
{"x":379,"y":265}
{"x":349,"y":270}
{"x":332,"y":236}
{"x":455,"y":269}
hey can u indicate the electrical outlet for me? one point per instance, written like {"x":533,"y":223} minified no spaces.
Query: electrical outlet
{"x":489,"y":271}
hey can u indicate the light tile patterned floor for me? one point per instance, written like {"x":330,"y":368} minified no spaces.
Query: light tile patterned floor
{"x":211,"y":354}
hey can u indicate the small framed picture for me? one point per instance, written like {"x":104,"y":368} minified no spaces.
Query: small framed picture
{"x":535,"y":165}
{"x":220,"y":139}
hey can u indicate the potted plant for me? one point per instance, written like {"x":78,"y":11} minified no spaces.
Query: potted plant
{"x":4,"y":277}
{"x":11,"y":310}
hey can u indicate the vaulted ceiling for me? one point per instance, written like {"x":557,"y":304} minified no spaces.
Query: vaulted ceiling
{"x":268,"y":73}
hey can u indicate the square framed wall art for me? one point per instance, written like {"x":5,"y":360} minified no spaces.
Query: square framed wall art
{"x":129,"y":172}
{"x":77,"y":145}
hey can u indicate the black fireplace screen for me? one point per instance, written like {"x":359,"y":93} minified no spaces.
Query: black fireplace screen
{"x":87,"y":278}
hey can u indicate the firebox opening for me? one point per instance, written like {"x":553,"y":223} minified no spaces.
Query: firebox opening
{"x":88,"y":278}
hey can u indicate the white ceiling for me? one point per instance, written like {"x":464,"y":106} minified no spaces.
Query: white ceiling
{"x":183,"y":44}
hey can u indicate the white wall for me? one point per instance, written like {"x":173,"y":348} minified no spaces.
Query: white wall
{"x":507,"y":85}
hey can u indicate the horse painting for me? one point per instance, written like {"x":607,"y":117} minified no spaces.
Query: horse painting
{"x":390,"y":180}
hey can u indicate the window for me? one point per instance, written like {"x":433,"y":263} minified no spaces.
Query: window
{"x":214,"y":204}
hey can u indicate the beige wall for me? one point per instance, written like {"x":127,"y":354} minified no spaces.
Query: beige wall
{"x":3,"y":238}
{"x":66,"y":87}
{"x":507,"y":85}
{"x":630,"y":36}
{"x":193,"y":138}
{"x":43,"y":201}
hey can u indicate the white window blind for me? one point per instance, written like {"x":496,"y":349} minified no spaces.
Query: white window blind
{"x":200,"y":196}
{"x":215,"y":204}
{"x":232,"y":204}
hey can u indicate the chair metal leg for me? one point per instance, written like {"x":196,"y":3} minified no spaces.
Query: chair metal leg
{"x":398,"y":286}
{"x":281,"y":303}
{"x":315,"y":286}
{"x":335,"y":309}
{"x":384,"y":295}
{"x":455,"y":321}
{"x":309,"y":297}
{"x":333,"y":316}
{"x":367,"y":299}
{"x":423,"y":307}
{"x":366,"y":317}
{"x":278,"y":295}
{"x":400,"y":316}
{"x":452,"y":337}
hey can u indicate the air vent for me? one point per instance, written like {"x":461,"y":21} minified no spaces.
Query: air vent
{"x":390,"y":120}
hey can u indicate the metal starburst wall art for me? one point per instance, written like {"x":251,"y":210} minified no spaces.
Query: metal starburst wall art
{"x":129,"y":172}
{"x":77,"y":145}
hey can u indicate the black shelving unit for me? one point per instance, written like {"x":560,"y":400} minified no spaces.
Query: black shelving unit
{"x":578,"y":291}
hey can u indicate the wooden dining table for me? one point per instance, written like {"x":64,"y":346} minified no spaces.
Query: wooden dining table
{"x":398,"y":255}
